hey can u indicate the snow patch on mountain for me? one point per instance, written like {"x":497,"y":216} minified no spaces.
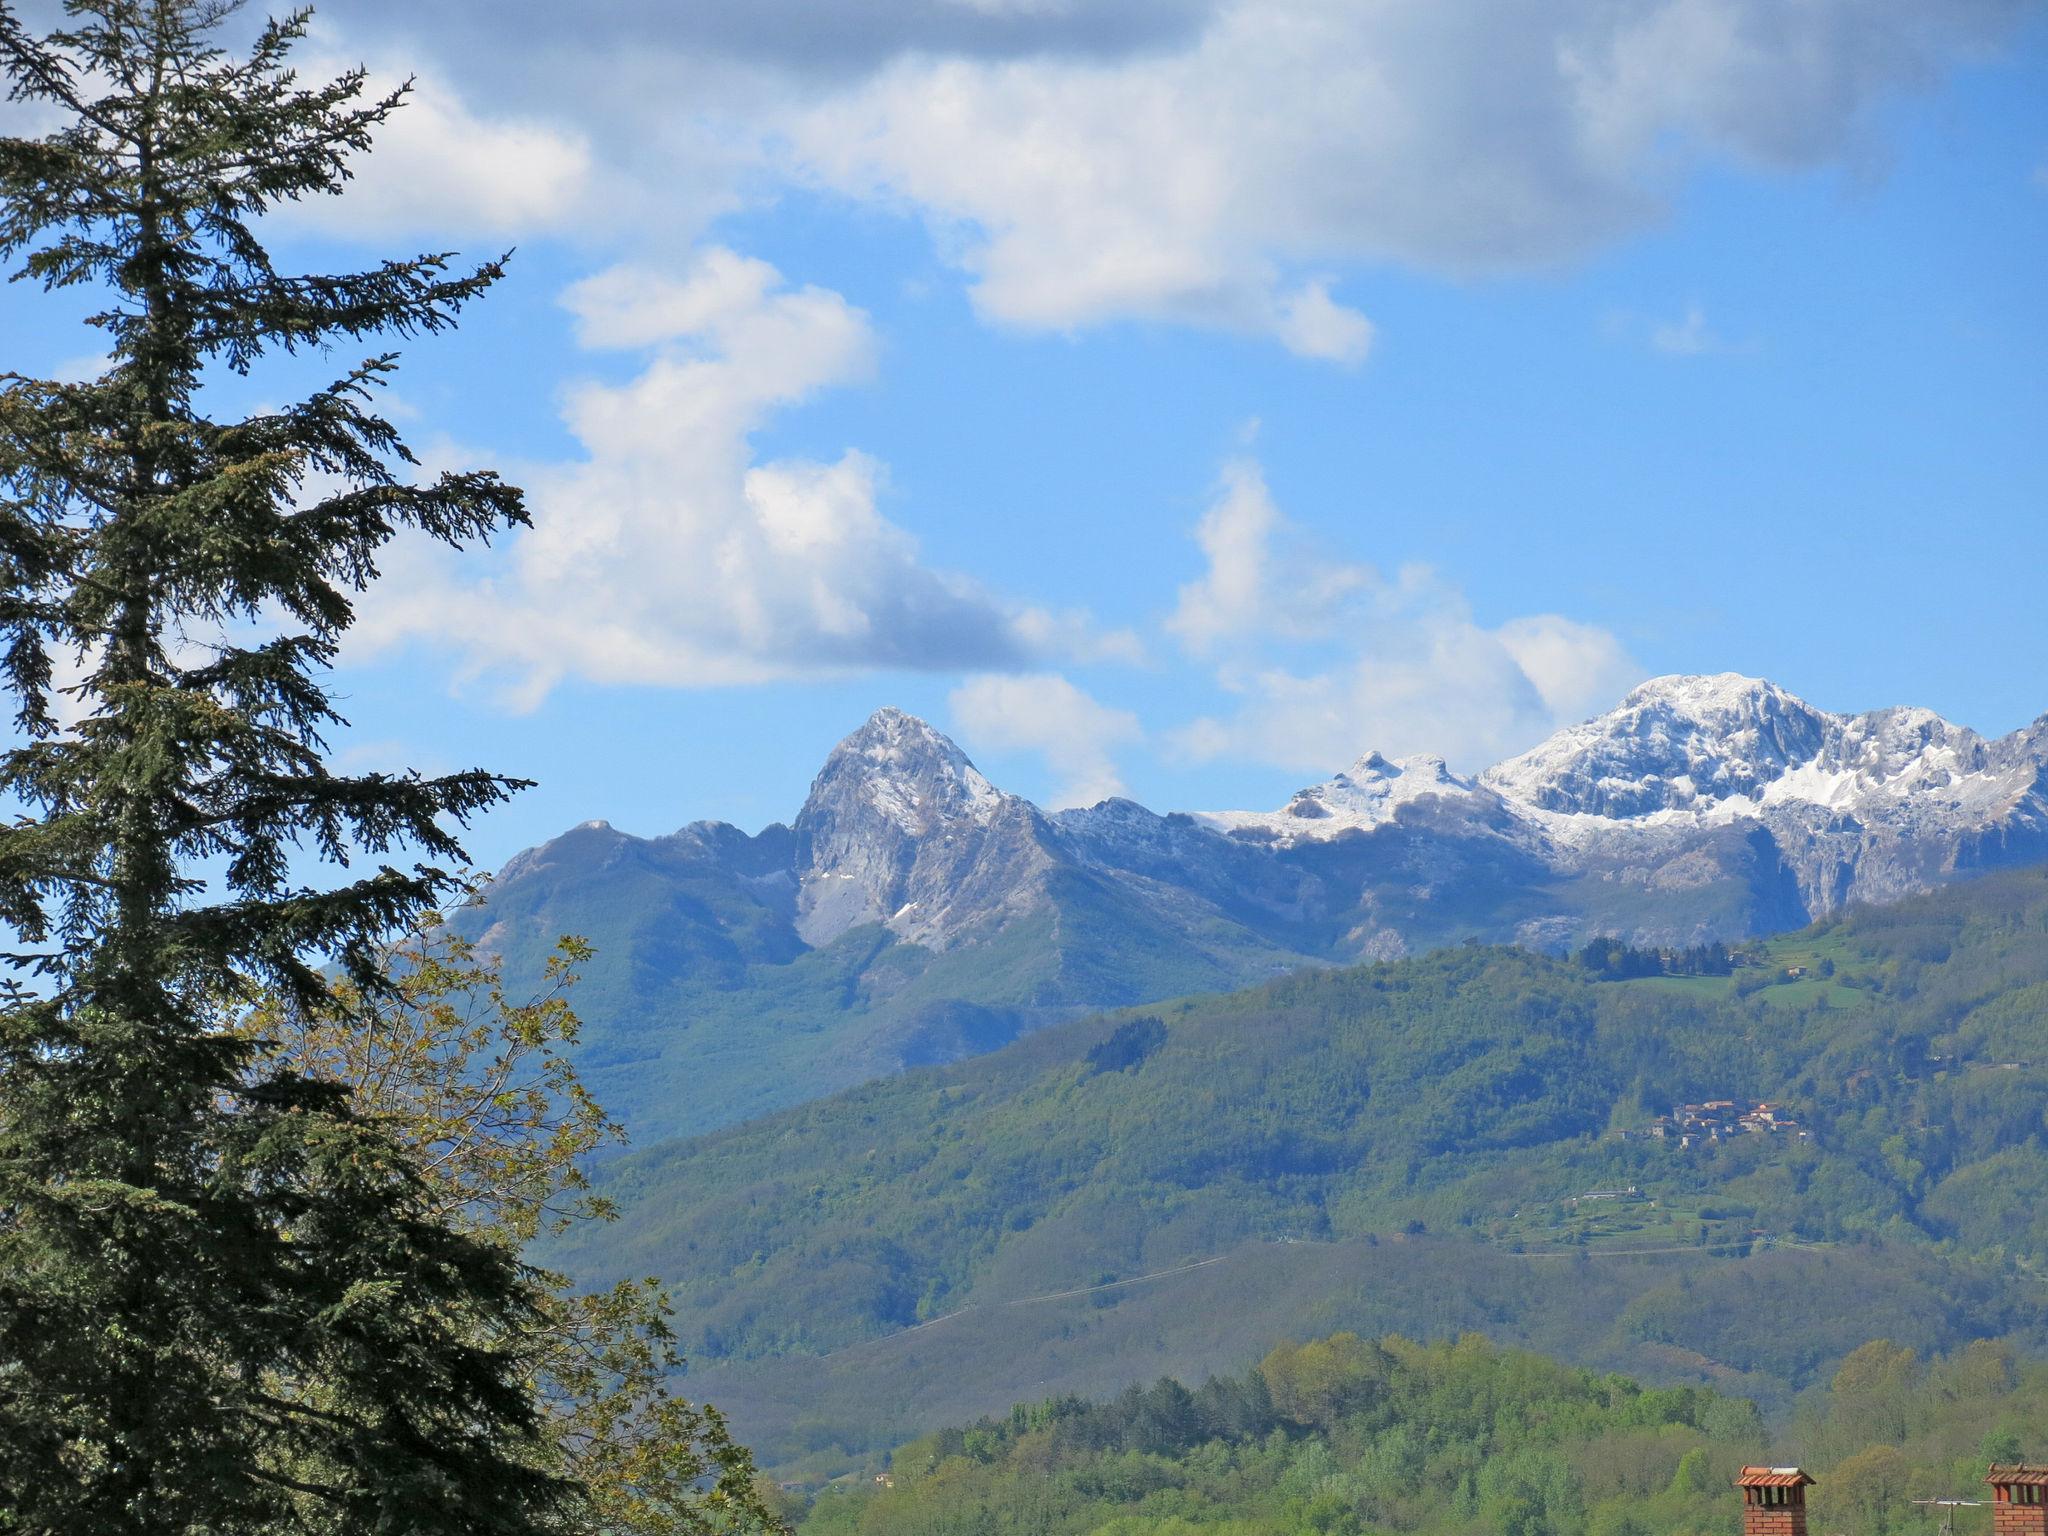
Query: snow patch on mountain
{"x":902,"y":829}
{"x":1716,"y":750}
{"x":1371,"y":793}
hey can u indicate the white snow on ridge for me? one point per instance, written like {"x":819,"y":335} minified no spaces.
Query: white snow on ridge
{"x":1714,"y":750}
{"x":912,"y":775}
{"x":1683,"y":752}
{"x":1371,"y":794}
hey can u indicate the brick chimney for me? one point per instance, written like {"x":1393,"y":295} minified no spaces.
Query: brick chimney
{"x":1774,"y":1502}
{"x":2019,"y":1500}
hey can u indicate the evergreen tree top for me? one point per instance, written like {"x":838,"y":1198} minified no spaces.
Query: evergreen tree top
{"x":147,"y":540}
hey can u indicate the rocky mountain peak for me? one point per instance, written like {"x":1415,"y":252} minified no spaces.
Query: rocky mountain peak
{"x":1671,"y":744}
{"x":1709,"y":696}
{"x":898,"y":768}
{"x":1859,"y":807}
{"x":1371,"y":793}
{"x":897,"y":825}
{"x":1422,"y":768}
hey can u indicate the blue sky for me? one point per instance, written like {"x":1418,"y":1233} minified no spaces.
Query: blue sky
{"x":1182,"y":399}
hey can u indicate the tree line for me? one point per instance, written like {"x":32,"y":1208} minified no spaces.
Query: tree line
{"x":1344,"y":1435}
{"x":1612,"y":960}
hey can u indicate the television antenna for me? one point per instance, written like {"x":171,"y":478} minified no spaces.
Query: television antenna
{"x":1948,"y":1508}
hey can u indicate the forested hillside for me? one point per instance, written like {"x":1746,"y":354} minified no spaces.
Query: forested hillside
{"x":1471,"y":1093}
{"x":1415,"y":1146}
{"x":704,"y":1006}
{"x":1345,"y":1435}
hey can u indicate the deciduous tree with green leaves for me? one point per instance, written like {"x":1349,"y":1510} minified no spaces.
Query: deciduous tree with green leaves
{"x":229,"y":1301}
{"x":477,"y":1087}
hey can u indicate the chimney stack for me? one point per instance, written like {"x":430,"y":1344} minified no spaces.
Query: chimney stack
{"x":2019,"y":1500}
{"x":1774,"y":1502}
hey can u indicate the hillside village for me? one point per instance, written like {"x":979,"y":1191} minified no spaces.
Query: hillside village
{"x":1716,"y":1120}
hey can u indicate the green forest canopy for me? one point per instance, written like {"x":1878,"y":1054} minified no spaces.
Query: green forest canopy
{"x":1342,"y":1436}
{"x":1471,"y":1094}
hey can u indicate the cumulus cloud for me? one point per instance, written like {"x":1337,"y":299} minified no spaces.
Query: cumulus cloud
{"x":1043,"y":713}
{"x":442,"y":164}
{"x":1199,"y":161}
{"x":439,"y":166}
{"x":1312,"y":324}
{"x":1189,"y":182}
{"x":1329,"y":659}
{"x":802,"y":36}
{"x":670,"y":555}
{"x":1576,"y":669}
{"x":1263,"y":580}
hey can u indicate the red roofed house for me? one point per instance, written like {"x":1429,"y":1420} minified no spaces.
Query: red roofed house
{"x":1774,"y":1501}
{"x":2019,"y":1500}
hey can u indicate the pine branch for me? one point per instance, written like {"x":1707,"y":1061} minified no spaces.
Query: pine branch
{"x":248,"y":1294}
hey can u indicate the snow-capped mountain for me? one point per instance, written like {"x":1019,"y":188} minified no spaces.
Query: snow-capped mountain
{"x":1675,"y":743}
{"x":901,"y":829}
{"x":1863,"y":807}
{"x":914,"y":910}
{"x":1373,"y":792}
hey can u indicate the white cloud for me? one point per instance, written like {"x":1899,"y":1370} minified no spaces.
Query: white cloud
{"x":1690,"y":336}
{"x":1329,"y":659}
{"x":1576,"y":669}
{"x":438,"y":166}
{"x":1197,"y":161}
{"x":1261,"y":581}
{"x":669,"y":555}
{"x":1045,"y":714}
{"x":1428,"y":681}
{"x":633,"y":307}
{"x":1312,"y":324}
{"x":1075,"y":636}
{"x":1193,"y":182}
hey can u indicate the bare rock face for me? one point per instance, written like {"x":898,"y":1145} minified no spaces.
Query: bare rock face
{"x":1866,"y":807}
{"x":1698,"y":808}
{"x":901,"y":829}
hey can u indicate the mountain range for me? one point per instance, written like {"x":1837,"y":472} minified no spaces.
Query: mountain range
{"x":915,"y":913}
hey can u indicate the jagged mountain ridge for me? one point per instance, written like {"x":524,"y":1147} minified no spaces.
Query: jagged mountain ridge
{"x":914,"y":911}
{"x":1863,"y":807}
{"x":901,"y":829}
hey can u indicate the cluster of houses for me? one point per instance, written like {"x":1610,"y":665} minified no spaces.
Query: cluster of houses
{"x":1715,"y":1121}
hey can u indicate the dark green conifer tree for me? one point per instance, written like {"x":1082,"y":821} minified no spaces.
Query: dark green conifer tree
{"x":225,"y":1305}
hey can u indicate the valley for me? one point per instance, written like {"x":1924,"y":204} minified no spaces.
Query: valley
{"x":1390,"y":1147}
